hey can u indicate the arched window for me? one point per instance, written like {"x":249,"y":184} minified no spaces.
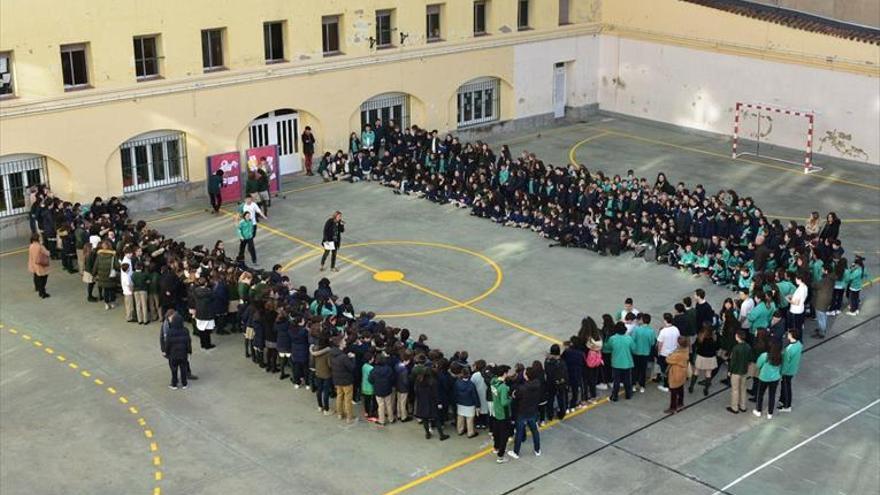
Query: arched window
{"x":17,"y":174}
{"x":478,"y":101}
{"x":385,"y":107}
{"x":154,"y":159}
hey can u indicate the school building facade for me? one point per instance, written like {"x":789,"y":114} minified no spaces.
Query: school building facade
{"x":129,"y":98}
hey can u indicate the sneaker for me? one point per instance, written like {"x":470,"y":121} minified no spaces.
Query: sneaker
{"x":537,"y":453}
{"x":662,"y":388}
{"x":784,"y":409}
{"x":641,"y":390}
{"x":183,"y":387}
{"x":602,"y":386}
{"x":853,"y":313}
{"x":501,"y":460}
{"x":756,"y":412}
{"x":172,"y":387}
{"x":769,"y":416}
{"x":327,"y":412}
{"x":296,"y":385}
{"x":513,"y":454}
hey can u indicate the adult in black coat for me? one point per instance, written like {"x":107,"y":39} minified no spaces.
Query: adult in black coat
{"x":428,"y":405}
{"x":333,"y":229}
{"x":205,"y":311}
{"x":177,"y":347}
{"x":762,"y":254}
{"x":169,"y":288}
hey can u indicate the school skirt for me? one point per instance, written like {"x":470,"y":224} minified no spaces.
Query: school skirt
{"x":706,"y":363}
{"x":249,"y":333}
{"x":232,"y":307}
{"x":204,"y":325}
{"x":466,"y":411}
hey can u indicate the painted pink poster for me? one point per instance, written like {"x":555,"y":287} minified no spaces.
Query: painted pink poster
{"x":230,"y":163}
{"x":265,"y":157}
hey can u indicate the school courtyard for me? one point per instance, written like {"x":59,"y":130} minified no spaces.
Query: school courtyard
{"x":85,"y":407}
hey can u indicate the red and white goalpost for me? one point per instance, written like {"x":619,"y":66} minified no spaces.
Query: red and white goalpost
{"x":755,"y":123}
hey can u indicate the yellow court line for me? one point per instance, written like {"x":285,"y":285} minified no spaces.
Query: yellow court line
{"x":313,"y":186}
{"x":572,"y":158}
{"x":467,"y":460}
{"x":457,"y":303}
{"x":499,"y":274}
{"x":14,"y":251}
{"x":798,"y":171}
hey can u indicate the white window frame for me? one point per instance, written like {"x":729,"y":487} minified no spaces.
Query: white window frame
{"x":434,"y":10}
{"x":66,"y":50}
{"x":144,"y":59}
{"x":483,"y":89}
{"x":162,"y":138}
{"x":19,"y":165}
{"x":267,"y":41}
{"x":389,"y":14}
{"x":325,"y":21}
{"x":6,"y":76}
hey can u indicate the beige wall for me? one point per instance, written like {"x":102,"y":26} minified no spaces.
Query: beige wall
{"x":865,"y":12}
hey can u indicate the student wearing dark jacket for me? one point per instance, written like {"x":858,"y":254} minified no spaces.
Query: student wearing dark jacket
{"x":342,"y":371}
{"x":403,"y":385}
{"x":333,"y":229}
{"x":467,"y":402}
{"x":177,"y":347}
{"x":383,"y":379}
{"x":526,"y":399}
{"x":299,"y":352}
{"x":204,"y":306}
{"x":575,"y":361}
{"x":557,"y":382}
{"x":428,"y":406}
{"x":283,"y":347}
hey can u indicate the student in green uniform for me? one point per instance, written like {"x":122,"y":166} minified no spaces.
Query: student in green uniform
{"x":140,"y":281}
{"x":791,"y":363}
{"x":621,"y":346}
{"x":501,"y":425}
{"x":643,"y":340}
{"x":370,"y":405}
{"x":769,"y":366}
{"x":855,"y":278}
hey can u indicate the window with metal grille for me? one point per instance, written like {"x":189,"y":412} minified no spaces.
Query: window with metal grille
{"x":17,"y":174}
{"x":330,"y":34}
{"x":383,"y":28}
{"x":74,"y":66}
{"x":386,"y":107}
{"x":212,"y":49}
{"x":6,"y":87}
{"x":480,"y":17}
{"x":153,"y":160}
{"x":273,"y":41}
{"x":478,"y":102}
{"x":522,"y":15}
{"x":433,"y":21}
{"x":146,"y":57}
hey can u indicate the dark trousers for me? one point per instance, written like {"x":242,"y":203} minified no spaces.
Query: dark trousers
{"x":854,"y":300}
{"x":322,"y":390}
{"x":298,"y":374}
{"x":332,"y":257}
{"x":785,"y":391}
{"x":837,"y":300}
{"x":249,"y":243}
{"x":624,"y":375}
{"x":40,"y":284}
{"x":501,"y":431}
{"x":771,"y":395}
{"x":205,"y":338}
{"x":371,"y":408}
{"x":576,"y":386}
{"x":561,"y":395}
{"x":661,"y":361}
{"x":520,"y":434}
{"x":178,"y":367}
{"x":676,"y":398}
{"x":215,"y":201}
{"x":641,"y":369}
{"x":798,"y":324}
{"x":592,"y":376}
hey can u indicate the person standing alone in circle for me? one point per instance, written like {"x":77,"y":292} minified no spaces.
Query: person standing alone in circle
{"x":38,"y":264}
{"x":333,"y":229}
{"x":246,"y":232}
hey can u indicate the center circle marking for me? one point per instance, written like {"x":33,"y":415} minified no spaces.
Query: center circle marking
{"x":388,"y":276}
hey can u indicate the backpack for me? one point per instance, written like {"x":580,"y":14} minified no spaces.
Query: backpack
{"x":556,"y":373}
{"x":594,"y":359}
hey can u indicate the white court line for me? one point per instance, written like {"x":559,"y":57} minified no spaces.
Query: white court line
{"x":789,"y":451}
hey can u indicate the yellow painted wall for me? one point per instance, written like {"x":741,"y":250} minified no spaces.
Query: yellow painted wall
{"x":685,"y":23}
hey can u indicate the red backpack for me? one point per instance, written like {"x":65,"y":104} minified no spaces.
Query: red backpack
{"x":594,"y":359}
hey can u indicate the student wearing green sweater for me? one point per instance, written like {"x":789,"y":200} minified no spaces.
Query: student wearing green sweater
{"x":621,"y":347}
{"x":791,"y":364}
{"x":855,"y":278}
{"x":246,"y":232}
{"x":759,"y":316}
{"x":371,"y":408}
{"x":502,"y":428}
{"x":769,"y":366}
{"x":643,"y":340}
{"x":738,"y":370}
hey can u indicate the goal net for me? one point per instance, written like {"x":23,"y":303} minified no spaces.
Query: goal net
{"x":766,"y":131}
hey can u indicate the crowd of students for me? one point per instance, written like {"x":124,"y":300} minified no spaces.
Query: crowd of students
{"x":320,"y":342}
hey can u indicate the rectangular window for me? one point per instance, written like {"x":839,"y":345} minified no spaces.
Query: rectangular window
{"x":434,"y":27}
{"x":522,"y":15}
{"x":479,"y":17}
{"x":478,"y":102}
{"x":153,"y":162}
{"x":273,"y":41}
{"x":212,"y":49}
{"x":563,"y":12}
{"x":74,"y":66}
{"x":146,"y":57}
{"x":330,"y":33}
{"x":383,"y":28}
{"x":16,"y":176}
{"x":6,"y":87}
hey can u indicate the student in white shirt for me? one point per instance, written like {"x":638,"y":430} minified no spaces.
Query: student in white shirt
{"x":627,"y":308}
{"x":254,"y":209}
{"x":797,"y":301}
{"x":667,"y":343}
{"x":127,"y":292}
